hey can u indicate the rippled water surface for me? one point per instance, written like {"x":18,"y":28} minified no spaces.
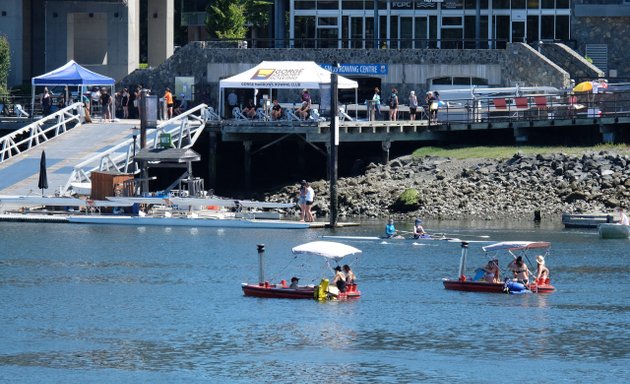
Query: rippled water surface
{"x":95,"y":304}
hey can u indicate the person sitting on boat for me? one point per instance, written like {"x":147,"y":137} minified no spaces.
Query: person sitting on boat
{"x":491,"y":272}
{"x":520,"y":270}
{"x":542,"y":272}
{"x":349,"y":274}
{"x":418,"y":231}
{"x":390,"y":230}
{"x":294,"y":282}
{"x":340,"y":279}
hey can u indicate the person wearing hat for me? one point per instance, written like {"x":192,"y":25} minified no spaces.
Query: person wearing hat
{"x":418,"y":231}
{"x":294,"y":282}
{"x":340,"y":279}
{"x":413,"y":105}
{"x":542,"y":272}
{"x":390,"y":230}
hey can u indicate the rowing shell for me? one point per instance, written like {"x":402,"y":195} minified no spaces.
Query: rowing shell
{"x":386,"y":238}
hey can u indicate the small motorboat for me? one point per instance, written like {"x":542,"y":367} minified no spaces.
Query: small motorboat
{"x":330,"y":251}
{"x":512,"y":248}
{"x":613,"y":231}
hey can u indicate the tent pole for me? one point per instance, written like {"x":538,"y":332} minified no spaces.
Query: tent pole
{"x":32,"y":99}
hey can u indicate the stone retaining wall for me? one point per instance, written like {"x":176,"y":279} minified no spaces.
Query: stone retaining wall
{"x":408,"y":69}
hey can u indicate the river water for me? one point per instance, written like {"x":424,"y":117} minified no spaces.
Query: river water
{"x":104,"y":304}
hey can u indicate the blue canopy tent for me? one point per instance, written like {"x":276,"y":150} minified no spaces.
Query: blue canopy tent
{"x":71,"y":74}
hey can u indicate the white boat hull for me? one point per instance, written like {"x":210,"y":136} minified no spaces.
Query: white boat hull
{"x":186,"y":222}
{"x":614,"y":231}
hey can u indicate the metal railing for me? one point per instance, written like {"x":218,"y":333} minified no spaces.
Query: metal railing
{"x":36,"y":133}
{"x":184,"y":129}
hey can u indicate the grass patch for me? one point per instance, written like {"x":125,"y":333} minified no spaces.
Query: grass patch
{"x":507,"y":152}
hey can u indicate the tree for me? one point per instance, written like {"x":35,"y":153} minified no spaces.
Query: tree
{"x":226,"y":19}
{"x":5,"y":63}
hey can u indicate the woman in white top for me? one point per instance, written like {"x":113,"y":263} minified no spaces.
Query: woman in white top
{"x":310,"y":197}
{"x":413,"y":105}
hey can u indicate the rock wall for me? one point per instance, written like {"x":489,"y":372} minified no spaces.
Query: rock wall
{"x":408,"y":69}
{"x":481,"y":188}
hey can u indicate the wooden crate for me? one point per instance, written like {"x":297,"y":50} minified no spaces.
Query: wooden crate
{"x":109,"y":184}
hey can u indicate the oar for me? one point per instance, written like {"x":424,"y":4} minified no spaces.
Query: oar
{"x":462,"y":235}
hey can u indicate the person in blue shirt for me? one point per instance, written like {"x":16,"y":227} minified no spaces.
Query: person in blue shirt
{"x":390,"y":230}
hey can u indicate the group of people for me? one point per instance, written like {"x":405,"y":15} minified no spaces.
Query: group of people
{"x":343,"y":277}
{"x":491,"y":272}
{"x":276,"y":112}
{"x":306,"y":197}
{"x":431,"y":103}
{"x":392,"y":233}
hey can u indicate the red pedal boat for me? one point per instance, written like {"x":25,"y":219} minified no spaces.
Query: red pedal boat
{"x":478,"y":284}
{"x":323,"y":291}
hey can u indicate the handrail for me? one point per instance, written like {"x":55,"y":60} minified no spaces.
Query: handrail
{"x":119,"y":158}
{"x":35,"y":134}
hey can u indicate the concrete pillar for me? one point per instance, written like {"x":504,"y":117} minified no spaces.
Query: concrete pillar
{"x":247,"y":164}
{"x":212,"y":160}
{"x":609,"y":133}
{"x":521,"y":135}
{"x":386,"y":145}
{"x":160,"y":33}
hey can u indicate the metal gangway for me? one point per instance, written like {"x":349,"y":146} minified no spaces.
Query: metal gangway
{"x":184,"y":130}
{"x":38,"y":132}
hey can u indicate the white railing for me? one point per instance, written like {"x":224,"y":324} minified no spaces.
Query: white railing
{"x":34,"y":134}
{"x":185,"y":129}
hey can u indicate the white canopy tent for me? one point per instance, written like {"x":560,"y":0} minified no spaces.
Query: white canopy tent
{"x":284,"y":75}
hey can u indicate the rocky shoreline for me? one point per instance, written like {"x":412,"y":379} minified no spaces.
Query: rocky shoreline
{"x":481,"y":189}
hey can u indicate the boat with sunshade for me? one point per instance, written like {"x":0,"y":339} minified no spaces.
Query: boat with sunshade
{"x":501,"y":253}
{"x":328,"y":250}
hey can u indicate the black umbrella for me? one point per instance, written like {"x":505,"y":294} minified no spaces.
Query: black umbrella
{"x":42,"y":183}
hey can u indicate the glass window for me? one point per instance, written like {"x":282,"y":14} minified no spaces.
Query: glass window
{"x":533,"y":4}
{"x":501,"y":4}
{"x":518,"y":4}
{"x":304,"y":4}
{"x":421,"y":33}
{"x":393,"y":32}
{"x":562,"y":27}
{"x":470,"y":4}
{"x":478,"y":81}
{"x":451,"y":21}
{"x":547,"y":28}
{"x":304,"y":32}
{"x":327,"y":38}
{"x":563,"y":4}
{"x":532,"y":29}
{"x":353,"y":4}
{"x":369,"y":32}
{"x":326,"y":21}
{"x":433,"y":32}
{"x":453,"y":4}
{"x":548,"y":4}
{"x":327,"y":4}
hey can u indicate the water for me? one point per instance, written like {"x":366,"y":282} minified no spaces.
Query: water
{"x":95,"y":304}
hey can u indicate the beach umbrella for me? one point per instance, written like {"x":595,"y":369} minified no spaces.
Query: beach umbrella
{"x":42,"y":183}
{"x":585,"y":86}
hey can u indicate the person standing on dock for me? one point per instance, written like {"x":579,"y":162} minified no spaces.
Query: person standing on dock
{"x":310,"y":198}
{"x":168,"y":99}
{"x":413,"y":105}
{"x":302,"y":200}
{"x":393,"y":105}
{"x":377,"y":104}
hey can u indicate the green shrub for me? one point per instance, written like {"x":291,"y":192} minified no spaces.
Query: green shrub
{"x":408,"y":201}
